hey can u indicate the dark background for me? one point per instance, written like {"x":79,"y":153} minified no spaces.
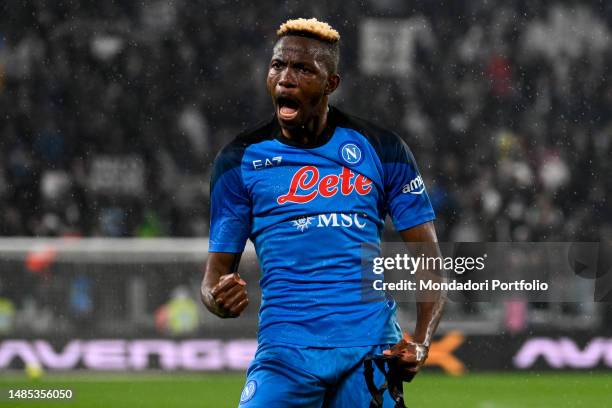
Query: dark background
{"x":112,"y":112}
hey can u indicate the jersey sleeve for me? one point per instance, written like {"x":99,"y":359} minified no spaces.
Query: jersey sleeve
{"x":407,"y":198}
{"x":230,"y":204}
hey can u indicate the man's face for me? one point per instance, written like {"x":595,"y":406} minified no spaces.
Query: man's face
{"x":298,"y":80}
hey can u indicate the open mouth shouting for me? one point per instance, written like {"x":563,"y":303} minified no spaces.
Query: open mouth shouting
{"x":287,"y":108}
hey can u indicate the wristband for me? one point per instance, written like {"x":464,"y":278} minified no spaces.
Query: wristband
{"x":421,"y":351}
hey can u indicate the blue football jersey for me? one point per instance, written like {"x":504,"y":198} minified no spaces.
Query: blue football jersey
{"x":308,"y":211}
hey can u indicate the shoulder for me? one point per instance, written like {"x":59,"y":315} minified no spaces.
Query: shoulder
{"x":233,"y":151}
{"x":230,"y":156}
{"x":386,"y":142}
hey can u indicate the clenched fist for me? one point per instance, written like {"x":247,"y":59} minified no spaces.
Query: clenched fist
{"x":410,"y":358}
{"x":228,"y":298}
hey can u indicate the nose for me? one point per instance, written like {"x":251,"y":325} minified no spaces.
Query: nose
{"x":287,"y":78}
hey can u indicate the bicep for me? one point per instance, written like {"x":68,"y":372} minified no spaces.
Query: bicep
{"x":407,"y":199}
{"x":230,"y":207}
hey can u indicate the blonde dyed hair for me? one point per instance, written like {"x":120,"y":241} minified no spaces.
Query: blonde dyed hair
{"x":311,"y":27}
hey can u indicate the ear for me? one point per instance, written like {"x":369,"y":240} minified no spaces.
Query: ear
{"x":332,"y":84}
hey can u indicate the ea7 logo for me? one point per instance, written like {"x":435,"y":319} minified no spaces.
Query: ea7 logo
{"x":268,"y":162}
{"x":564,"y":353}
{"x":415,"y":186}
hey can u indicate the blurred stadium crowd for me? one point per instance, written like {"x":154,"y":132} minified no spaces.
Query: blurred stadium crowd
{"x":112,"y":112}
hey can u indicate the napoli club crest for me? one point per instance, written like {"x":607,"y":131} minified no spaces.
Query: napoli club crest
{"x":351,"y":153}
{"x":248,"y":391}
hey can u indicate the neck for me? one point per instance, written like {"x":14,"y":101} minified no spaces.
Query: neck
{"x":312,"y":131}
